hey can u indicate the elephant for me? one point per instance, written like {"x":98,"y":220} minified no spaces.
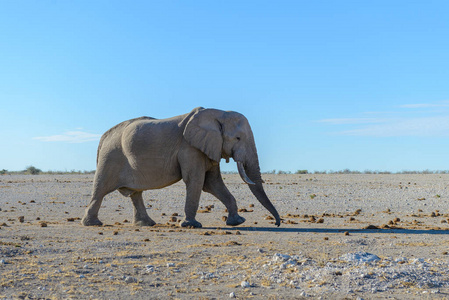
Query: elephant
{"x":147,"y":153}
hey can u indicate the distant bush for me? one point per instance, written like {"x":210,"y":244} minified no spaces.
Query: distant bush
{"x":270,"y":172}
{"x":284,"y":172}
{"x":224,"y":172}
{"x":3,"y":172}
{"x":33,"y":170}
{"x":302,"y":172}
{"x":319,"y":172}
{"x":348,"y":171}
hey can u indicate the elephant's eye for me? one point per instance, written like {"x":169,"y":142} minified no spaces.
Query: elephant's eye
{"x":238,"y":138}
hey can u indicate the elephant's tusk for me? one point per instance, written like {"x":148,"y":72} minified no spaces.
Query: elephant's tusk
{"x":242,"y":173}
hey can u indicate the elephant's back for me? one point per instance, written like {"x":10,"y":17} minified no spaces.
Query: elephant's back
{"x":112,"y":138}
{"x":121,"y":126}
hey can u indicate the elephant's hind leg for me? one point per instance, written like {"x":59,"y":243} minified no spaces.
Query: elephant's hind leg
{"x":102,"y":187}
{"x":91,"y":215}
{"x":141,"y":217}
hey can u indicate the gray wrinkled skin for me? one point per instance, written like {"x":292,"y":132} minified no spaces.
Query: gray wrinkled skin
{"x":147,"y":153}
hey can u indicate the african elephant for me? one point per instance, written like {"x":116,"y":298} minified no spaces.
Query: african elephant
{"x":147,"y":153}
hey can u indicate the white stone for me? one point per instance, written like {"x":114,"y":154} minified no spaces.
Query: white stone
{"x":359,"y":257}
{"x":280,"y":257}
{"x":149,"y":269}
{"x":130,"y":279}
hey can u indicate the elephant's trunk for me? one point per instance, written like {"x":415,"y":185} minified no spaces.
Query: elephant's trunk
{"x":260,"y":194}
{"x":250,"y":173}
{"x":248,"y":165}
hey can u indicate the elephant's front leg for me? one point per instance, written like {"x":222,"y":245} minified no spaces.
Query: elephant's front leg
{"x":141,"y":217}
{"x":214,"y":184}
{"x":194,"y":186}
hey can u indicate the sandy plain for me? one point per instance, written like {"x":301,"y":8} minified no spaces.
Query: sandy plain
{"x":342,"y":236}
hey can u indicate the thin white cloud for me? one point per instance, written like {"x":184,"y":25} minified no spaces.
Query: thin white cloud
{"x":341,"y":121}
{"x":411,"y":120}
{"x":422,"y":127}
{"x":70,"y":137}
{"x":426,"y":105}
{"x":420,"y":105}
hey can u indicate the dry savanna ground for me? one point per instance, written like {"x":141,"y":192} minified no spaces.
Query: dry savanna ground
{"x":342,"y":236}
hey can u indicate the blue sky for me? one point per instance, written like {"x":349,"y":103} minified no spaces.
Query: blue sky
{"x":326,"y":85}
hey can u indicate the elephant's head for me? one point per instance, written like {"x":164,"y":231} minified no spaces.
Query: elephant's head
{"x":225,"y":134}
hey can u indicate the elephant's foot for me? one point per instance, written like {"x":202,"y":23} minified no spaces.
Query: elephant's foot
{"x":235,"y":220}
{"x":191,"y":223}
{"x":144,"y":222}
{"x":91,"y":221}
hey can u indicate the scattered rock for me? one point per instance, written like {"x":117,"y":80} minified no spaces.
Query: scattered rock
{"x":129,"y":279}
{"x":149,"y":269}
{"x":232,"y":243}
{"x":371,"y":227}
{"x":357,"y":212}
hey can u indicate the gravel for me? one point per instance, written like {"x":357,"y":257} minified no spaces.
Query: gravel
{"x":365,"y":236}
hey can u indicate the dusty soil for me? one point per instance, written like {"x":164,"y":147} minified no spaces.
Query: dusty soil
{"x":355,"y":236}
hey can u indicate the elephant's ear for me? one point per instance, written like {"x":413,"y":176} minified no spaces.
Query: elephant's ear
{"x":203,"y":131}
